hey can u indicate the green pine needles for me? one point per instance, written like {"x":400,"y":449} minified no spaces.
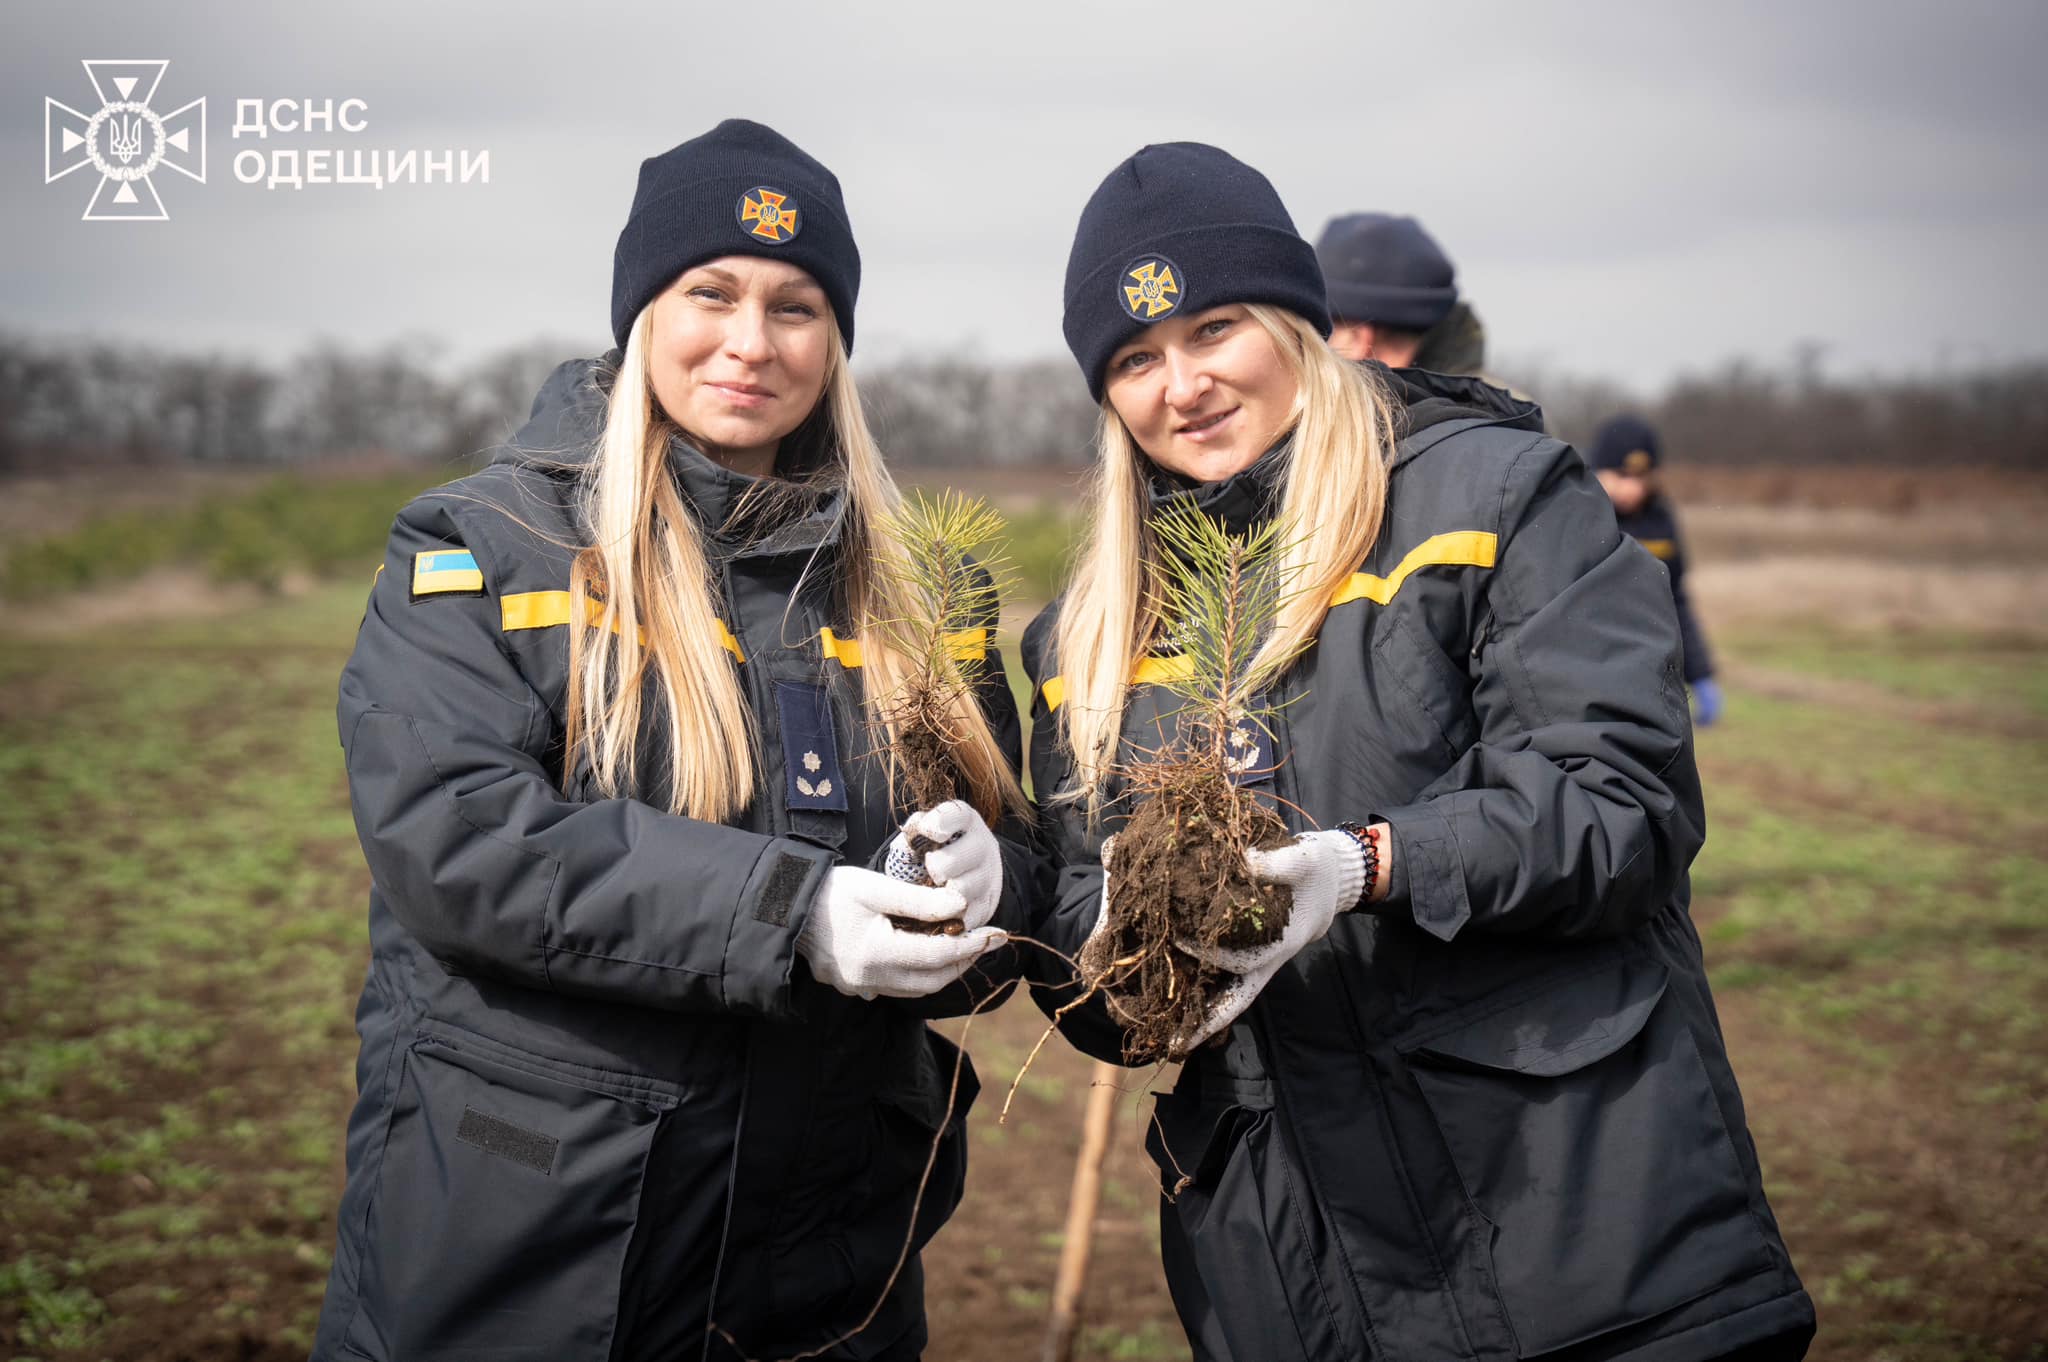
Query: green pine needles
{"x":1177,"y":874}
{"x":1219,"y":595}
{"x":943,"y":568}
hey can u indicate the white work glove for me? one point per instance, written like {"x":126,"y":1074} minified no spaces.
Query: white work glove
{"x":851,"y":944}
{"x":966,"y":860}
{"x":1326,"y":871}
{"x":1101,"y":908}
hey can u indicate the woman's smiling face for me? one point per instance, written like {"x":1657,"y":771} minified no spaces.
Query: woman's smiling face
{"x":740,"y":348}
{"x":1203,"y":395}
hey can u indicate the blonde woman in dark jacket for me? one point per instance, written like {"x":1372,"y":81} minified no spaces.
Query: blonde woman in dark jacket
{"x":644,"y":1069}
{"x":1474,"y":1102}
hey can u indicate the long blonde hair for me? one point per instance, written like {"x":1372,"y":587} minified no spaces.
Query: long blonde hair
{"x":646,"y":589}
{"x":1333,"y":493}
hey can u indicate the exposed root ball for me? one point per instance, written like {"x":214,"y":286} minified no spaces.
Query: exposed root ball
{"x":927,"y":777}
{"x":925,"y":773}
{"x":1178,"y":874}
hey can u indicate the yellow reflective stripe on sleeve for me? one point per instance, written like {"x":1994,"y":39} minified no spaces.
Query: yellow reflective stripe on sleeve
{"x":545,"y":609}
{"x":1460,"y":548}
{"x":969,"y":645}
{"x":1660,"y":548}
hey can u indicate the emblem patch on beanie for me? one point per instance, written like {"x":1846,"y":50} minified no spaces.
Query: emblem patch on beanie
{"x":767,"y":215}
{"x":1150,"y":287}
{"x":1637,"y":462}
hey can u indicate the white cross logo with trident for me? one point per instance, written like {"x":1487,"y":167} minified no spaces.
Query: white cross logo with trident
{"x":126,"y":141}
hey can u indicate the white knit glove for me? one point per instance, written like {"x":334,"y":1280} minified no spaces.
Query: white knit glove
{"x":851,"y":944}
{"x":1326,"y":871}
{"x":1101,"y":901}
{"x":967,"y":858}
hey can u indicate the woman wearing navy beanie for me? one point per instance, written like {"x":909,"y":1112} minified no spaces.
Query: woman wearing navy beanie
{"x":644,"y":1071}
{"x":1474,"y":1102}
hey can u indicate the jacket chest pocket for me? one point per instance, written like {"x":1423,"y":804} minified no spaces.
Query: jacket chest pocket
{"x":507,"y":1194}
{"x":1429,"y":697}
{"x":1587,"y":1139}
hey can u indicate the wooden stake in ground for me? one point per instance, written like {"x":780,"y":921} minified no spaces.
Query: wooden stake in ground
{"x":1073,"y":1271}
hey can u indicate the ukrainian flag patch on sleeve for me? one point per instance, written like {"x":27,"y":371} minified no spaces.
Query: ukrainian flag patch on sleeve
{"x":446,"y":572}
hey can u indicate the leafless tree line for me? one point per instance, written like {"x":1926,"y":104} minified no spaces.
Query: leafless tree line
{"x":1793,"y":415}
{"x":105,"y":403}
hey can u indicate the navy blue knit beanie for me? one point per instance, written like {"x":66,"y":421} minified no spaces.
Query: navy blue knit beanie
{"x":1386,"y":270}
{"x":740,"y":189}
{"x":1627,"y":443}
{"x":1178,"y":228}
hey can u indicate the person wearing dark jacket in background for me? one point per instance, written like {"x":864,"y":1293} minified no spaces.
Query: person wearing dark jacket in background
{"x":644,"y":1070}
{"x":1474,"y":1102}
{"x":1393,"y":296}
{"x":1625,"y":456}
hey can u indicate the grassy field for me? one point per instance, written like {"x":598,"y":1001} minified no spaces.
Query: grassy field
{"x":183,"y":899}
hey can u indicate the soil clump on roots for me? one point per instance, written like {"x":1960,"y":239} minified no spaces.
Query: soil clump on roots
{"x":1178,"y":877}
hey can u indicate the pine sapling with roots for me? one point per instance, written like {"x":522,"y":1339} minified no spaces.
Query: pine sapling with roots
{"x":946,"y":569}
{"x":1178,"y":874}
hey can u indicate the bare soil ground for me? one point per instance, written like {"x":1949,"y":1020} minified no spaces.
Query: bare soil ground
{"x":183,"y":900}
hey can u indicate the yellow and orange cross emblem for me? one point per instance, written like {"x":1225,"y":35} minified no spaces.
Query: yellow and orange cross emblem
{"x":1154,"y":290}
{"x":773,"y":219}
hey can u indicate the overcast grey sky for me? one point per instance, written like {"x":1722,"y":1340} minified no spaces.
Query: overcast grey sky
{"x":1631,"y":190}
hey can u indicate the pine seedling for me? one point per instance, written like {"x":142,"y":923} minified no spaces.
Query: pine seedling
{"x":945,"y":571}
{"x":1178,"y":875}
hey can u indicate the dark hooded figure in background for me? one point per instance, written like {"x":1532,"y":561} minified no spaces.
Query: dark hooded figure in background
{"x":1394,"y":296}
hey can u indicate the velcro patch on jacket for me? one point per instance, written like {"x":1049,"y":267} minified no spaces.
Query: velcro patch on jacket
{"x":446,"y":572}
{"x":496,"y":1136}
{"x":778,"y":893}
{"x":810,"y":748}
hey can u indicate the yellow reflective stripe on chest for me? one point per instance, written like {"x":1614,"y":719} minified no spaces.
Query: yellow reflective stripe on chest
{"x":1660,"y":548}
{"x":969,"y":645}
{"x":545,"y":609}
{"x":1458,"y":548}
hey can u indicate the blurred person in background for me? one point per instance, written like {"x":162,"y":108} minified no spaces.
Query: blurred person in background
{"x":1393,"y":296}
{"x":644,"y":1069}
{"x":1473,"y":1102}
{"x":1625,"y":455}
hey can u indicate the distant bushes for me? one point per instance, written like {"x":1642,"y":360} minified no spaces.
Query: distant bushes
{"x":323,"y":527}
{"x":1041,"y":546}
{"x":285,"y":525}
{"x":1796,"y":416}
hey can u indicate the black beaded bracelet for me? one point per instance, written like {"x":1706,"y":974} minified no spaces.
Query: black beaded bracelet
{"x":1369,"y":843}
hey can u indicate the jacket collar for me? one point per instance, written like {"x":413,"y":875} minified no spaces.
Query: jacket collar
{"x":1240,"y":502}
{"x":1434,"y":407}
{"x":740,"y":516}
